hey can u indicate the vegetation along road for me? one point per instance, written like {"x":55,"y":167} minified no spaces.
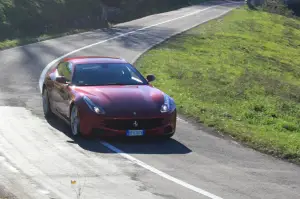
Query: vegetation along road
{"x":239,"y":74}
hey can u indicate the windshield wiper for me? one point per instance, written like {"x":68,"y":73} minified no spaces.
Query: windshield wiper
{"x":121,"y":84}
{"x":82,"y":84}
{"x":107,"y":84}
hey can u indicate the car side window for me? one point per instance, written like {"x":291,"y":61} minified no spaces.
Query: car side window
{"x":65,"y":69}
{"x":60,"y":68}
{"x":68,"y":72}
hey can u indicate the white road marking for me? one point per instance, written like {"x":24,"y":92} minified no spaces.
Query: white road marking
{"x":42,"y":191}
{"x":158,"y":172}
{"x":44,"y":72}
{"x":8,"y":165}
{"x":111,"y":147}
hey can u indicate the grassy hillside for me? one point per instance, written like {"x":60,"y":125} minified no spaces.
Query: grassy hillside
{"x":239,"y":74}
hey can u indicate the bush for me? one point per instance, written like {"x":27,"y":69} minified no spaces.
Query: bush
{"x":271,"y":6}
{"x":34,"y":17}
{"x":277,"y":7}
{"x":22,"y":18}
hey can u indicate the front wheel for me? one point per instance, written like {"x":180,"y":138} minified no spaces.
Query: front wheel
{"x":75,"y":121}
{"x":169,"y":136}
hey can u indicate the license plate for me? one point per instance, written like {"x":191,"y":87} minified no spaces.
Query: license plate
{"x":135,"y":133}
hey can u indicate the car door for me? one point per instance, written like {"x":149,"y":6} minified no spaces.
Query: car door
{"x":54,"y":91}
{"x":60,"y":92}
{"x":65,"y":91}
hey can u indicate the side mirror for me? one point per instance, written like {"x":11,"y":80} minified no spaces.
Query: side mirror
{"x":150,"y":78}
{"x":61,"y":80}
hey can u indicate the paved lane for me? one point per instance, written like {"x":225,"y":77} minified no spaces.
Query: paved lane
{"x":44,"y":158}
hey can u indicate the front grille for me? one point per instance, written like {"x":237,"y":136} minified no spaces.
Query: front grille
{"x":142,"y":124}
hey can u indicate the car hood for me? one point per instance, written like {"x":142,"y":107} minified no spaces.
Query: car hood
{"x":144,"y":100}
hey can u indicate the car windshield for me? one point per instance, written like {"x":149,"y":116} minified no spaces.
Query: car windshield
{"x":98,"y":74}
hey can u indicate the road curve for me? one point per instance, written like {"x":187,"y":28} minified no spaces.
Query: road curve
{"x":39,"y":158}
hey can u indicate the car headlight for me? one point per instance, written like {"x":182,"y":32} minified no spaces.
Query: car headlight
{"x":96,"y":109}
{"x":168,"y":105}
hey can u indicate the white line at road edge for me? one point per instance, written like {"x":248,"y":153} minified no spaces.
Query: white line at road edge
{"x":116,"y":150}
{"x":158,"y":172}
{"x":45,"y":70}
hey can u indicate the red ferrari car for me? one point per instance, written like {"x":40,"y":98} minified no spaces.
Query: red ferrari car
{"x":108,"y":97}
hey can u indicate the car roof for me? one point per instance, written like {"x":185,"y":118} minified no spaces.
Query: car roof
{"x":93,"y":59}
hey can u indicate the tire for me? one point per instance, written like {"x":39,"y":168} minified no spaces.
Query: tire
{"x":46,"y":104}
{"x":75,"y":122}
{"x":167,"y":137}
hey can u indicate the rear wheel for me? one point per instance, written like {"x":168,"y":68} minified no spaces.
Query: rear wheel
{"x":46,"y":104}
{"x":75,"y":121}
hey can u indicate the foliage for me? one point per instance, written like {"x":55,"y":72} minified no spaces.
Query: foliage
{"x":277,"y":7}
{"x":34,"y":17}
{"x":273,"y":6}
{"x":20,"y":18}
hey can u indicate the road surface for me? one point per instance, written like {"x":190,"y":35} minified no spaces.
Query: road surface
{"x":39,"y":158}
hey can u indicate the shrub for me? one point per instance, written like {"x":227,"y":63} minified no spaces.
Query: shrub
{"x":271,"y":6}
{"x":277,"y":7}
{"x":22,"y":18}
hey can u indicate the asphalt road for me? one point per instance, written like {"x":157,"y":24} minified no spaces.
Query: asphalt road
{"x":39,"y":158}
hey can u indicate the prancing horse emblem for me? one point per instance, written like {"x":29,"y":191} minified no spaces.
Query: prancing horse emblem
{"x":135,"y":124}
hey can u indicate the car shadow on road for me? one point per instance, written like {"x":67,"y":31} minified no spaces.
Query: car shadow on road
{"x":127,"y":145}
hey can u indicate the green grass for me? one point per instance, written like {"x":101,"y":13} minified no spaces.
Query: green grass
{"x":239,"y":74}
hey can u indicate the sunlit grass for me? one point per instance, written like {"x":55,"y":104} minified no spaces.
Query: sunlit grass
{"x":239,"y":74}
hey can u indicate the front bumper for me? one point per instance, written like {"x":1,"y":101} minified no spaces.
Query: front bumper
{"x":100,"y":125}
